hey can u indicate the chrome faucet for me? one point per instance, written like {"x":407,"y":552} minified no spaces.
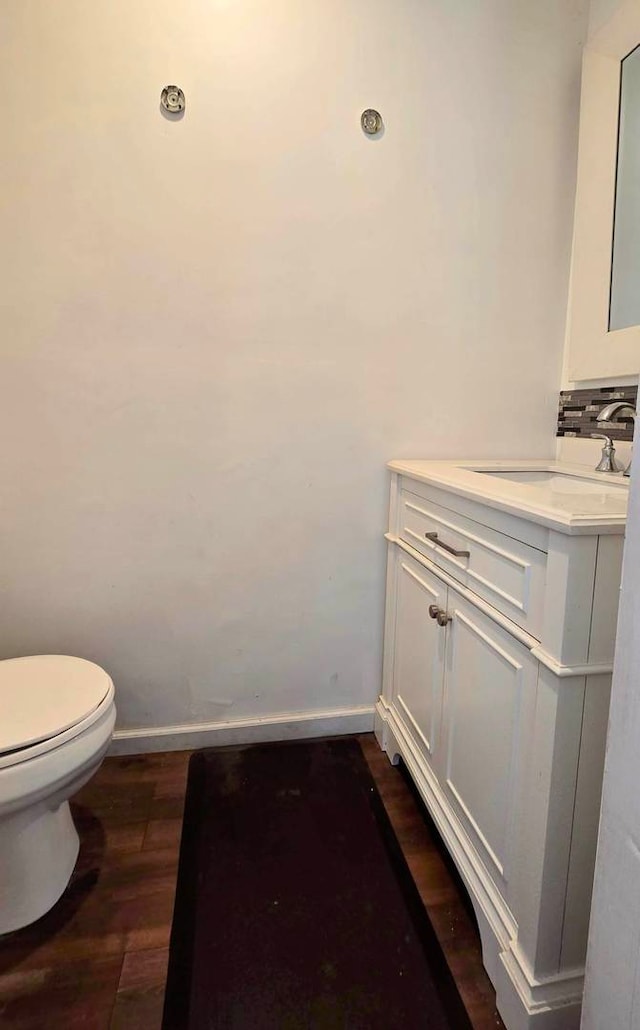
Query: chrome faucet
{"x":607,"y":461}
{"x":608,"y":414}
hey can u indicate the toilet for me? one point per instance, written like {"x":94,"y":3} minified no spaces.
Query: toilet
{"x":57,"y":715}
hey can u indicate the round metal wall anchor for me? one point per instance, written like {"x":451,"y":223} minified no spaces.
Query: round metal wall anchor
{"x":172,"y":99}
{"x":371,"y":122}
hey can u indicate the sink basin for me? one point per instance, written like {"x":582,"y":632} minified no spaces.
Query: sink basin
{"x":557,"y":482}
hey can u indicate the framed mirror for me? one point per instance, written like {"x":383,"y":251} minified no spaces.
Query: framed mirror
{"x":604,"y":309}
{"x":624,"y":304}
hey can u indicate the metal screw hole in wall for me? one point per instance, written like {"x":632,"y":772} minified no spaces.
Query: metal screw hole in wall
{"x":371,"y":122}
{"x":172,"y":99}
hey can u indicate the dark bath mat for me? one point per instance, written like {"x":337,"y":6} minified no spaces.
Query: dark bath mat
{"x":294,"y":907}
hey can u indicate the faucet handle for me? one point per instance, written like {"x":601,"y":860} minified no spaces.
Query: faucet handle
{"x":607,"y":461}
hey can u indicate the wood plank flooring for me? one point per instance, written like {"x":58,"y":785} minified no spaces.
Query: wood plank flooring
{"x":440,"y":888}
{"x":98,"y":960}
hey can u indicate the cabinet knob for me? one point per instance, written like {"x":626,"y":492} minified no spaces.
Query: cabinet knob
{"x":443,"y":618}
{"x":434,"y":611}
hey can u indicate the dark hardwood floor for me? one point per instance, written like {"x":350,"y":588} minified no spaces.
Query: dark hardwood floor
{"x":440,"y":888}
{"x":98,"y":960}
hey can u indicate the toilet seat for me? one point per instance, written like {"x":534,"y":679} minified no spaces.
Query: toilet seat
{"x":46,"y":700}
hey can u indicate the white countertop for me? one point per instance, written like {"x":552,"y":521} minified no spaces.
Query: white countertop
{"x":571,"y":511}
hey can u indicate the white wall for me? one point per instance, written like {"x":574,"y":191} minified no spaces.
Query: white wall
{"x":215,"y":331}
{"x":601,"y":10}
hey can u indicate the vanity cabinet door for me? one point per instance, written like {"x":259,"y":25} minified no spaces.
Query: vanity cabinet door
{"x":419,"y":650}
{"x":490,"y":685}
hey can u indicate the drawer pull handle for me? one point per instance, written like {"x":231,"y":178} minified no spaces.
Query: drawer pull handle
{"x":434,"y":611}
{"x":447,"y":547}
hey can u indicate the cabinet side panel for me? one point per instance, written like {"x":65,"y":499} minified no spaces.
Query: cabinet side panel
{"x":571,"y":571}
{"x":546,"y":840}
{"x":606,"y":596}
{"x":585,"y":821}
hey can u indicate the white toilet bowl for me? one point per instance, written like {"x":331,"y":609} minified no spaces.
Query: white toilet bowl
{"x":57,"y":715}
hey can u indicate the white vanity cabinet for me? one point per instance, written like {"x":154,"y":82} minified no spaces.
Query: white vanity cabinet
{"x":498,"y":654}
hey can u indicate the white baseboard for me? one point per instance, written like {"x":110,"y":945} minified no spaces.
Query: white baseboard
{"x":284,"y":726}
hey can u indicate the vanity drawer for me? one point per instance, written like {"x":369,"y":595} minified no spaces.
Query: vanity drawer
{"x":505,"y":572}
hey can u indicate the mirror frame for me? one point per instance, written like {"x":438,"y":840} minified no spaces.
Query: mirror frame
{"x":594,"y":352}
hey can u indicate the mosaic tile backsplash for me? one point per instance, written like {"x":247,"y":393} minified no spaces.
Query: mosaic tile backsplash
{"x":578,"y":409}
